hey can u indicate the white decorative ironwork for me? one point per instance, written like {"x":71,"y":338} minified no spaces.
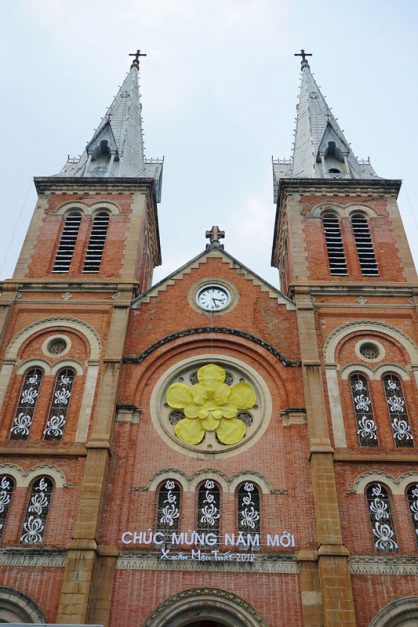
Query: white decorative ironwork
{"x":34,"y":525}
{"x":54,"y":429}
{"x":209,"y":507}
{"x":413,"y":506}
{"x":248,"y":508}
{"x":366,"y":425}
{"x":401,"y":429}
{"x":27,"y":402}
{"x":169,"y":511}
{"x":381,"y":518}
{"x":6,"y":491}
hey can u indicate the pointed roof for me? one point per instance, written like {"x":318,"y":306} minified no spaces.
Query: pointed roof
{"x":320,"y":148}
{"x":116,"y":148}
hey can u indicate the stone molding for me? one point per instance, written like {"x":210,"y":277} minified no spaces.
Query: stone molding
{"x":231,"y":609}
{"x":342,"y":210}
{"x":87,"y":209}
{"x":397,"y":485}
{"x":397,"y":566}
{"x":266,"y":564}
{"x":48,"y":368}
{"x":404,"y":609}
{"x":29,"y":558}
{"x":14,"y":604}
{"x":24,"y":478}
{"x":375,"y":374}
{"x":189,"y":482}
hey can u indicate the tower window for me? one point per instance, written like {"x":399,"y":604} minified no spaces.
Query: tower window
{"x":27,"y":403}
{"x":398,"y":414}
{"x":96,"y":244}
{"x":334,"y":242}
{"x":57,"y":418}
{"x":366,"y":425}
{"x":67,"y":243}
{"x":412,"y":494}
{"x":168,"y":515}
{"x":364,"y":245}
{"x":37,"y":512}
{"x":7,"y":485}
{"x":384,"y":538}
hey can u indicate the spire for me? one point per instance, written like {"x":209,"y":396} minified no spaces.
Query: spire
{"x":320,"y":149}
{"x":116,"y":148}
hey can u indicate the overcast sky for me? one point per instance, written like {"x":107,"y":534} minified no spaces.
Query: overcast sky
{"x":219,"y":90}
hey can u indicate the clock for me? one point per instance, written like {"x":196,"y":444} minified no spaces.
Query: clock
{"x":213,"y":297}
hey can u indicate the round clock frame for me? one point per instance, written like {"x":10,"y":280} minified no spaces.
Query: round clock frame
{"x":213,"y":297}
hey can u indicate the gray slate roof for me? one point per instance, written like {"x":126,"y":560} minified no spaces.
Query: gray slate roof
{"x":116,"y":148}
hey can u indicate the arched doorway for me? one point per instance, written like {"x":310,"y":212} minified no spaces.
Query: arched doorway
{"x":203,"y":607}
{"x":400,"y":613}
{"x":16,"y":607}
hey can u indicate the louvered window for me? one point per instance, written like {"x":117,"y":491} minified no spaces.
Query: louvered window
{"x":7,"y":485}
{"x":37,"y":513}
{"x":67,"y":244}
{"x":334,"y":242}
{"x":209,"y":508}
{"x":398,"y":414}
{"x":364,"y":245}
{"x":168,"y":515}
{"x":57,"y":418}
{"x":366,"y":425}
{"x":384,"y":538}
{"x":412,"y":494}
{"x":27,"y":403}
{"x":249,"y":514}
{"x":96,"y":243}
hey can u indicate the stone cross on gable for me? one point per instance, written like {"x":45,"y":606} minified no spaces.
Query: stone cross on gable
{"x":214,"y":235}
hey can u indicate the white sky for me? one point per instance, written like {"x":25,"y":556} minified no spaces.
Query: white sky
{"x":219,"y":89}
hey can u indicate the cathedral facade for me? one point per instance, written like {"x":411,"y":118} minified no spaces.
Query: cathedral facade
{"x":210,"y":451}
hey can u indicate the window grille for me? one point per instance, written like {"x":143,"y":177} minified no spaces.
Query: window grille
{"x":7,"y":485}
{"x":209,"y":506}
{"x":366,"y":425}
{"x":36,"y":516}
{"x":27,"y":403}
{"x":364,"y":245}
{"x":334,"y":242}
{"x":57,"y":418}
{"x":384,"y":538}
{"x":412,"y":494}
{"x":249,"y":511}
{"x":168,"y":515}
{"x":96,"y":243}
{"x":398,"y":414}
{"x":67,"y":243}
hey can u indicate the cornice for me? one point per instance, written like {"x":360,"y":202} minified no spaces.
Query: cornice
{"x":62,"y":183}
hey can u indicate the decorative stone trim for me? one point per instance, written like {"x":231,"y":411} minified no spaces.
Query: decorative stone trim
{"x":128,"y":413}
{"x":23,"y":479}
{"x":293,"y":416}
{"x":396,"y":566}
{"x":28,"y":558}
{"x":374,"y":374}
{"x":87,"y":209}
{"x":343,"y":211}
{"x":295,"y":363}
{"x":47,"y":368}
{"x":214,"y":603}
{"x":15,"y":605}
{"x":378,"y":345}
{"x":263,"y":564}
{"x":396,"y":485}
{"x":189,"y":483}
{"x":404,"y":609}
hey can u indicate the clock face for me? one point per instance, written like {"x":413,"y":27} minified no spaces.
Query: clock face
{"x":213,"y":297}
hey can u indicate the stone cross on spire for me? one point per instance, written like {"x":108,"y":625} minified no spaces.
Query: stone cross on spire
{"x":303,"y":54}
{"x":137,"y":54}
{"x":214,"y":235}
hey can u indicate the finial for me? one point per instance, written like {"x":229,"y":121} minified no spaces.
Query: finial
{"x":303,"y":54}
{"x":137,"y":54}
{"x":214,"y":235}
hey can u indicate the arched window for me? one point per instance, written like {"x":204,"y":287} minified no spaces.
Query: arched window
{"x":67,"y":243}
{"x":334,"y":242}
{"x":412,"y":494}
{"x":209,"y":508}
{"x":398,"y":414}
{"x":384,"y":538}
{"x":168,"y":513}
{"x":364,"y":245}
{"x":27,"y":403}
{"x":7,"y":485}
{"x":96,"y":243}
{"x":249,"y":522}
{"x":366,"y":425}
{"x":54,"y":429}
{"x":37,"y":513}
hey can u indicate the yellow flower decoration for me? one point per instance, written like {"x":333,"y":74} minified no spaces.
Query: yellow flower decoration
{"x":210,"y":405}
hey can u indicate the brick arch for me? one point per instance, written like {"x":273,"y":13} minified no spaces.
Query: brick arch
{"x":24,"y":478}
{"x":16,"y":606}
{"x":208,"y":604}
{"x":86,"y":209}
